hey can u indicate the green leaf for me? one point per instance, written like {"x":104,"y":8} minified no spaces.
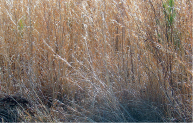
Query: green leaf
{"x":21,"y":25}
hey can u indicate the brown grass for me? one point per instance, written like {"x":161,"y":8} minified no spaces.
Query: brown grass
{"x":97,"y":60}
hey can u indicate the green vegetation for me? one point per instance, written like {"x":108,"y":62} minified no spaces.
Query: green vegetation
{"x":169,"y":11}
{"x":96,"y":60}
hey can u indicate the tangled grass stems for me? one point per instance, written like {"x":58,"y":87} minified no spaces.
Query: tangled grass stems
{"x":81,"y":60}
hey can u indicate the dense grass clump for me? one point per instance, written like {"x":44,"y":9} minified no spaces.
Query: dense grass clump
{"x":96,"y":60}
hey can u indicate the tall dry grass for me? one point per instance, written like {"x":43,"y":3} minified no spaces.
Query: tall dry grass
{"x":95,"y":60}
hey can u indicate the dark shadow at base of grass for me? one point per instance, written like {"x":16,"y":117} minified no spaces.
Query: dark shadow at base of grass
{"x":143,"y":112}
{"x":9,"y":106}
{"x":134,"y":111}
{"x":8,"y":115}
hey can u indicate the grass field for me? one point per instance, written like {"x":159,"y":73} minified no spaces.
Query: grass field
{"x":96,"y":60}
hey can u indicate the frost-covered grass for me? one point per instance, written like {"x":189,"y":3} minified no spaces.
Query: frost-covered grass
{"x":98,"y":60}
